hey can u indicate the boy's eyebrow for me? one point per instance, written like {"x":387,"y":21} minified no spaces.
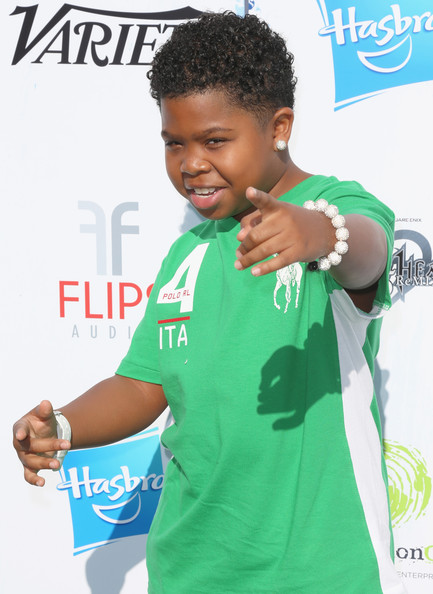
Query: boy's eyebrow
{"x":212,"y":130}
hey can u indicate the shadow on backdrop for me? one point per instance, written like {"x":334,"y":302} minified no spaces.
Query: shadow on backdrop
{"x":107,"y":566}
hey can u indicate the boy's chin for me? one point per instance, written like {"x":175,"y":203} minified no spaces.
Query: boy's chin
{"x":218,"y":214}
{"x":211,"y":214}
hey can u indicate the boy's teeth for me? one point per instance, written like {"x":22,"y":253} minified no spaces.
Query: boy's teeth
{"x":204,"y":191}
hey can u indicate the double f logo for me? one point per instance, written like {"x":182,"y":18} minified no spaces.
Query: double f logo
{"x":117,"y":229}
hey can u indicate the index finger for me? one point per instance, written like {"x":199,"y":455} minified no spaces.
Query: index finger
{"x":43,"y":445}
{"x":260,"y":199}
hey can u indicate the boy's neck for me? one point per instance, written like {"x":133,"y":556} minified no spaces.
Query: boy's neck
{"x":291,"y":177}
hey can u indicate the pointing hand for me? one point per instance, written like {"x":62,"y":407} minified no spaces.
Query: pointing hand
{"x":290,"y":233}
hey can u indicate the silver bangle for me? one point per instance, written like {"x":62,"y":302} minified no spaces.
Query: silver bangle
{"x":63,"y":432}
{"x":341,"y":233}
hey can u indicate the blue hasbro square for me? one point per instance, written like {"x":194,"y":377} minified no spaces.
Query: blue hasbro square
{"x":113,"y":490}
{"x":377,"y":45}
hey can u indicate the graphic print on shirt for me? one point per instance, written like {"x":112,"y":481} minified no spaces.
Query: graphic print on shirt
{"x":289,"y":276}
{"x":170,"y":333}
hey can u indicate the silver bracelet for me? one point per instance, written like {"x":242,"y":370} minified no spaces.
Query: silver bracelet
{"x":63,"y":432}
{"x":341,"y":233}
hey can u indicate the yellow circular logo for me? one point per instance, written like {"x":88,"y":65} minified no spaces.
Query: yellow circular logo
{"x":409,"y":482}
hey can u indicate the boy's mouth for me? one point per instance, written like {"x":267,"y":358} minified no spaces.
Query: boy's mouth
{"x":204,"y":191}
{"x":204,"y":198}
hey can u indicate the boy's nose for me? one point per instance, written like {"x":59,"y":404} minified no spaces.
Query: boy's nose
{"x":194,"y":165}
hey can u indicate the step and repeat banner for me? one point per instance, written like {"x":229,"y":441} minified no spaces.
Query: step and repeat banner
{"x":88,"y":214}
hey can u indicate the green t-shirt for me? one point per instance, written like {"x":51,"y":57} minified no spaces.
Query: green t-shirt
{"x":277,"y":482}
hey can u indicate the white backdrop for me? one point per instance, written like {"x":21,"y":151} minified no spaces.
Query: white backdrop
{"x":88,"y":210}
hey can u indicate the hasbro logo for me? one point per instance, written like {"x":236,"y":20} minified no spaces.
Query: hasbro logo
{"x":113,"y":490}
{"x":377,"y":45}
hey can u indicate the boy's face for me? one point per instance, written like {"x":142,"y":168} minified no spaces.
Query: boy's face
{"x":214,"y":150}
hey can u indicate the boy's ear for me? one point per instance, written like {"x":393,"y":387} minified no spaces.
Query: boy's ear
{"x":282,"y":124}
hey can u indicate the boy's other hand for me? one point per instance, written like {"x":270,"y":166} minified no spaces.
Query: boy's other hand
{"x":35,"y":440}
{"x":288,"y":232}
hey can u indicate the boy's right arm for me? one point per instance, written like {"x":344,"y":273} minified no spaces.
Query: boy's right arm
{"x":112,"y":410}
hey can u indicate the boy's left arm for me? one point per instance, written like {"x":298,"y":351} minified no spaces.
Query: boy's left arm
{"x":294,"y":234}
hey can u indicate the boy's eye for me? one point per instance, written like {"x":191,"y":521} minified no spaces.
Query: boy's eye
{"x":172,"y":144}
{"x":215,"y":141}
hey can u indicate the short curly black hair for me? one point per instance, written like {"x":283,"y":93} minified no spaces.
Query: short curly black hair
{"x":241,"y":56}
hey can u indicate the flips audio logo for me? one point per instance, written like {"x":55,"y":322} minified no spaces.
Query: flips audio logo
{"x":377,"y":45}
{"x":113,"y":490}
{"x":105,"y":298}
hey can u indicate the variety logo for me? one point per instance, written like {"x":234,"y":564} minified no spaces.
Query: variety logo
{"x":113,"y":490}
{"x":105,"y":38}
{"x":410,"y":485}
{"x":412,"y":263}
{"x":377,"y":45}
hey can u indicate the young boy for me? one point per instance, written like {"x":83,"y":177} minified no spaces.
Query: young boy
{"x":264,"y":355}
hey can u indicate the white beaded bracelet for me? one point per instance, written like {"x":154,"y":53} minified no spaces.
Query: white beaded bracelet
{"x":341,"y":233}
{"x":63,"y":432}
